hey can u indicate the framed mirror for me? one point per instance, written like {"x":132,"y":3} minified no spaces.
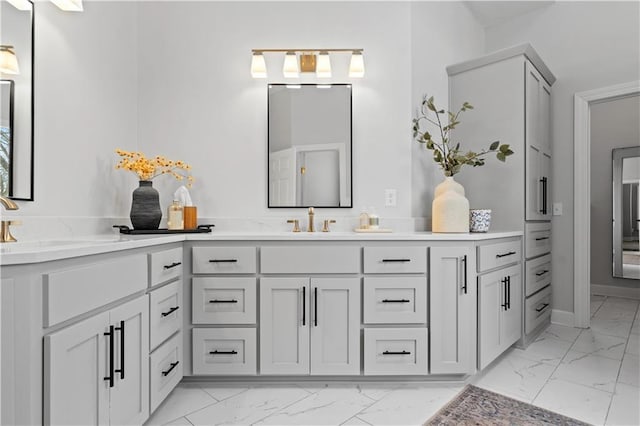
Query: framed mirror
{"x":309,"y":145}
{"x":626,"y":206}
{"x":16,"y":102}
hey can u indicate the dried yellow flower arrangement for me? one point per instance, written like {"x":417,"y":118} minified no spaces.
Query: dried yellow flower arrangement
{"x":149,"y":168}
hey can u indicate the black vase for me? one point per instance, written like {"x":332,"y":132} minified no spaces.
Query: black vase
{"x":145,"y":207}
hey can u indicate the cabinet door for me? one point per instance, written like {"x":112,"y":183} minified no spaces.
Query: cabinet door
{"x":335,"y":326}
{"x":76,"y":363}
{"x":511,"y":322}
{"x":129,"y":398}
{"x":545,"y":177}
{"x":452,"y":311}
{"x":284,"y":325}
{"x":491,"y":296}
{"x":534,"y":183}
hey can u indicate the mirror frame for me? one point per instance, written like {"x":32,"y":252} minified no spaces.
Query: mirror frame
{"x":11,"y":85}
{"x":618,"y":155}
{"x":350,"y":164}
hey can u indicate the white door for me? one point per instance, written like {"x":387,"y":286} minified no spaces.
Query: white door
{"x":452,"y":311}
{"x":284,"y":325}
{"x":76,"y":364}
{"x":282,"y":178}
{"x":545,"y":177}
{"x":491,"y":294}
{"x":511,"y":323}
{"x":319,"y":178}
{"x":335,"y":326}
{"x":130,"y":394}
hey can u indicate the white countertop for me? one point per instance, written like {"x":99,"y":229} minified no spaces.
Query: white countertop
{"x":45,"y":251}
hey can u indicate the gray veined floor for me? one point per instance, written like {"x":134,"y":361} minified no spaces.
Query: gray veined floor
{"x":592,"y":375}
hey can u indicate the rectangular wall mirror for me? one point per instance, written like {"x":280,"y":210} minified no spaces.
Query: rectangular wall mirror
{"x":16,"y":103}
{"x":309,"y":145}
{"x":626,"y":205}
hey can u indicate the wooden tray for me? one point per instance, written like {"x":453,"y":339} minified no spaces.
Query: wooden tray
{"x":201,"y":229}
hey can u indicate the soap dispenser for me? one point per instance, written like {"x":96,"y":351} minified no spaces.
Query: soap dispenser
{"x":175,"y":217}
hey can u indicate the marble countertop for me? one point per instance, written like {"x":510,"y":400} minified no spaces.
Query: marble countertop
{"x":49,"y":250}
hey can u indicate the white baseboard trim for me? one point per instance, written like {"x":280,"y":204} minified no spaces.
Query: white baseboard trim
{"x":562,"y":318}
{"x":615,"y":291}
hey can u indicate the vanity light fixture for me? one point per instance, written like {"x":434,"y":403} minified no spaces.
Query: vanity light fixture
{"x":298,"y":61}
{"x":323,"y":69}
{"x":23,"y":5}
{"x":258,"y":66}
{"x":290,"y":68}
{"x":8,"y":60}
{"x":356,"y":67}
{"x":69,"y":5}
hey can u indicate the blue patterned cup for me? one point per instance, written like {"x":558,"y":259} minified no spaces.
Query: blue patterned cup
{"x":479,"y":220}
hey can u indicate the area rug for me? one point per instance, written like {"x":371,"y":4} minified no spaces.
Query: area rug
{"x":477,"y":406}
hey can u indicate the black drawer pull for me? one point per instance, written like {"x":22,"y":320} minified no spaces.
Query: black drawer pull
{"x":542,"y":308}
{"x":542,"y":238}
{"x":173,"y":365}
{"x":396,"y":300}
{"x":541,"y":273}
{"x":170,"y":311}
{"x":395,"y":260}
{"x":505,"y":254}
{"x":223,"y":260}
{"x":217,"y":352}
{"x":396,"y":353}
{"x":110,"y":378}
{"x":223,"y":301}
{"x":173,"y":265}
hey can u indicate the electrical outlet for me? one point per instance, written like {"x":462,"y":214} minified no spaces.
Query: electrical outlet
{"x":390,"y":197}
{"x":557,"y":209}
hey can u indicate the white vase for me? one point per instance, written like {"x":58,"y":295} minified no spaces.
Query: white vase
{"x":450,"y":208}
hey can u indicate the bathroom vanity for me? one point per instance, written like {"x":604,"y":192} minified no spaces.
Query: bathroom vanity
{"x":101,"y":332}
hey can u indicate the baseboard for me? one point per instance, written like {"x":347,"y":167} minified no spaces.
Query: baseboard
{"x":615,"y":291}
{"x":562,"y":318}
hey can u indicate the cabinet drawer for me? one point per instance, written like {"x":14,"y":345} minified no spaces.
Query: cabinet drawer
{"x":537,"y":309}
{"x":395,"y":300}
{"x":395,"y":351}
{"x":537,"y":239}
{"x":72,"y":292}
{"x":538,"y":274}
{"x":225,"y":300}
{"x":393,"y":260}
{"x":165,"y":370}
{"x":165,"y":313}
{"x":224,"y":260}
{"x":224,"y":351}
{"x":495,"y":255}
{"x":310,"y":260}
{"x":165,"y":265}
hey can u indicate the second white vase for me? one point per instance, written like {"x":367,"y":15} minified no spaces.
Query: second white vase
{"x":450,"y":208}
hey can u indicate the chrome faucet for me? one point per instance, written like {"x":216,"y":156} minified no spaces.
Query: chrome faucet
{"x":310,"y":227}
{"x":5,"y":232}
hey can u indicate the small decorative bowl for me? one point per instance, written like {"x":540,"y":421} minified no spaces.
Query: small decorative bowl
{"x":479,"y":220}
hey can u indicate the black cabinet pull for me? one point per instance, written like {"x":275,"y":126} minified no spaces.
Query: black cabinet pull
{"x":217,"y":352}
{"x":396,"y":353}
{"x":173,"y":265}
{"x":543,"y":181}
{"x":223,"y":260}
{"x":505,"y":254}
{"x":540,"y":309}
{"x":504,"y":293}
{"x":223,"y":301}
{"x":509,"y":292}
{"x":315,"y":306}
{"x":111,"y":375}
{"x":121,"y":369}
{"x":304,"y":305}
{"x":464,"y":288}
{"x":542,"y":238}
{"x":170,"y":311}
{"x":173,"y":365}
{"x":541,"y":273}
{"x":395,"y":260}
{"x":396,"y":300}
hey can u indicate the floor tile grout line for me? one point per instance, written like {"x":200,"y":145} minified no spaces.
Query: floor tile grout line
{"x":309,"y":395}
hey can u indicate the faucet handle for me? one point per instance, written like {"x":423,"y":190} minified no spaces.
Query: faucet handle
{"x":325,"y":224}
{"x":5,"y":232}
{"x":296,"y":224}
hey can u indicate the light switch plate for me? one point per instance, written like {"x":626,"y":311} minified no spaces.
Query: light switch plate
{"x":390,"y":197}
{"x":557,"y":209}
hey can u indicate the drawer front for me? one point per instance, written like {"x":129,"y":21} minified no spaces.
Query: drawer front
{"x":73,"y":292}
{"x":395,"y":260}
{"x":224,"y":260}
{"x":165,"y":313}
{"x":538,"y":309}
{"x":491,"y":256}
{"x":395,"y":351}
{"x":165,"y":369}
{"x":310,"y":260}
{"x":537,"y":239}
{"x":165,"y":265}
{"x":395,"y":300}
{"x":224,"y":351}
{"x":538,"y":274}
{"x":224,"y":300}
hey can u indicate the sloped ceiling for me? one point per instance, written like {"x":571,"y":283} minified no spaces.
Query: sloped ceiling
{"x":490,"y":13}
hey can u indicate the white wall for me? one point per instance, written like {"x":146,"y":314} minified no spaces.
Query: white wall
{"x":631,"y":166}
{"x":587,"y":45}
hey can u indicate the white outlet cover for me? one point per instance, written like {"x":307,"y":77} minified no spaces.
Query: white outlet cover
{"x":557,"y":209}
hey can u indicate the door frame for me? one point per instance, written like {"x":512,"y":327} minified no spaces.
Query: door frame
{"x":582,"y":192}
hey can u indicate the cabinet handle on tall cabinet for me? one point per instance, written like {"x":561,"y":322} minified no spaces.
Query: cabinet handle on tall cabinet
{"x":543,"y":181}
{"x":304,"y":306}
{"x":315,"y":306}
{"x":464,"y":273}
{"x":110,"y":376}
{"x":121,"y":369}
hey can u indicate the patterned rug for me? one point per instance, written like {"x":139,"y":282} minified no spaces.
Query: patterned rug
{"x":476,"y":406}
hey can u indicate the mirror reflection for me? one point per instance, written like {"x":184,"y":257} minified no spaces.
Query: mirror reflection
{"x":309,"y":145}
{"x":626,"y":204}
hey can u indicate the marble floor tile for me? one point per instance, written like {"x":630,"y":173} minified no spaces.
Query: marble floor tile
{"x":183,"y":400}
{"x":610,"y":327}
{"x":622,"y":303}
{"x":516,"y":376}
{"x":355,"y":421}
{"x":248,"y":407}
{"x":223,"y":392}
{"x":596,"y":302}
{"x":633,"y":345}
{"x":630,"y":370}
{"x":182,"y":421}
{"x":330,"y":406}
{"x":374,"y":391}
{"x":546,"y":349}
{"x":616,"y":312}
{"x":574,"y":400}
{"x":624,"y":409}
{"x":592,"y":342}
{"x":636,"y":326}
{"x":411,"y":405}
{"x":561,"y":332}
{"x":588,"y":370}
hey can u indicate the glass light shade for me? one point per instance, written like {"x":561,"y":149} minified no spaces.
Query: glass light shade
{"x":323,"y":67}
{"x":290,"y":68}
{"x":258,"y":66}
{"x":69,"y":5}
{"x":20,"y":4}
{"x":8,"y":61}
{"x":356,"y":67}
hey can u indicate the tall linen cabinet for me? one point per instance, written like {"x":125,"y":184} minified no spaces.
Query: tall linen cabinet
{"x":510,"y":91}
